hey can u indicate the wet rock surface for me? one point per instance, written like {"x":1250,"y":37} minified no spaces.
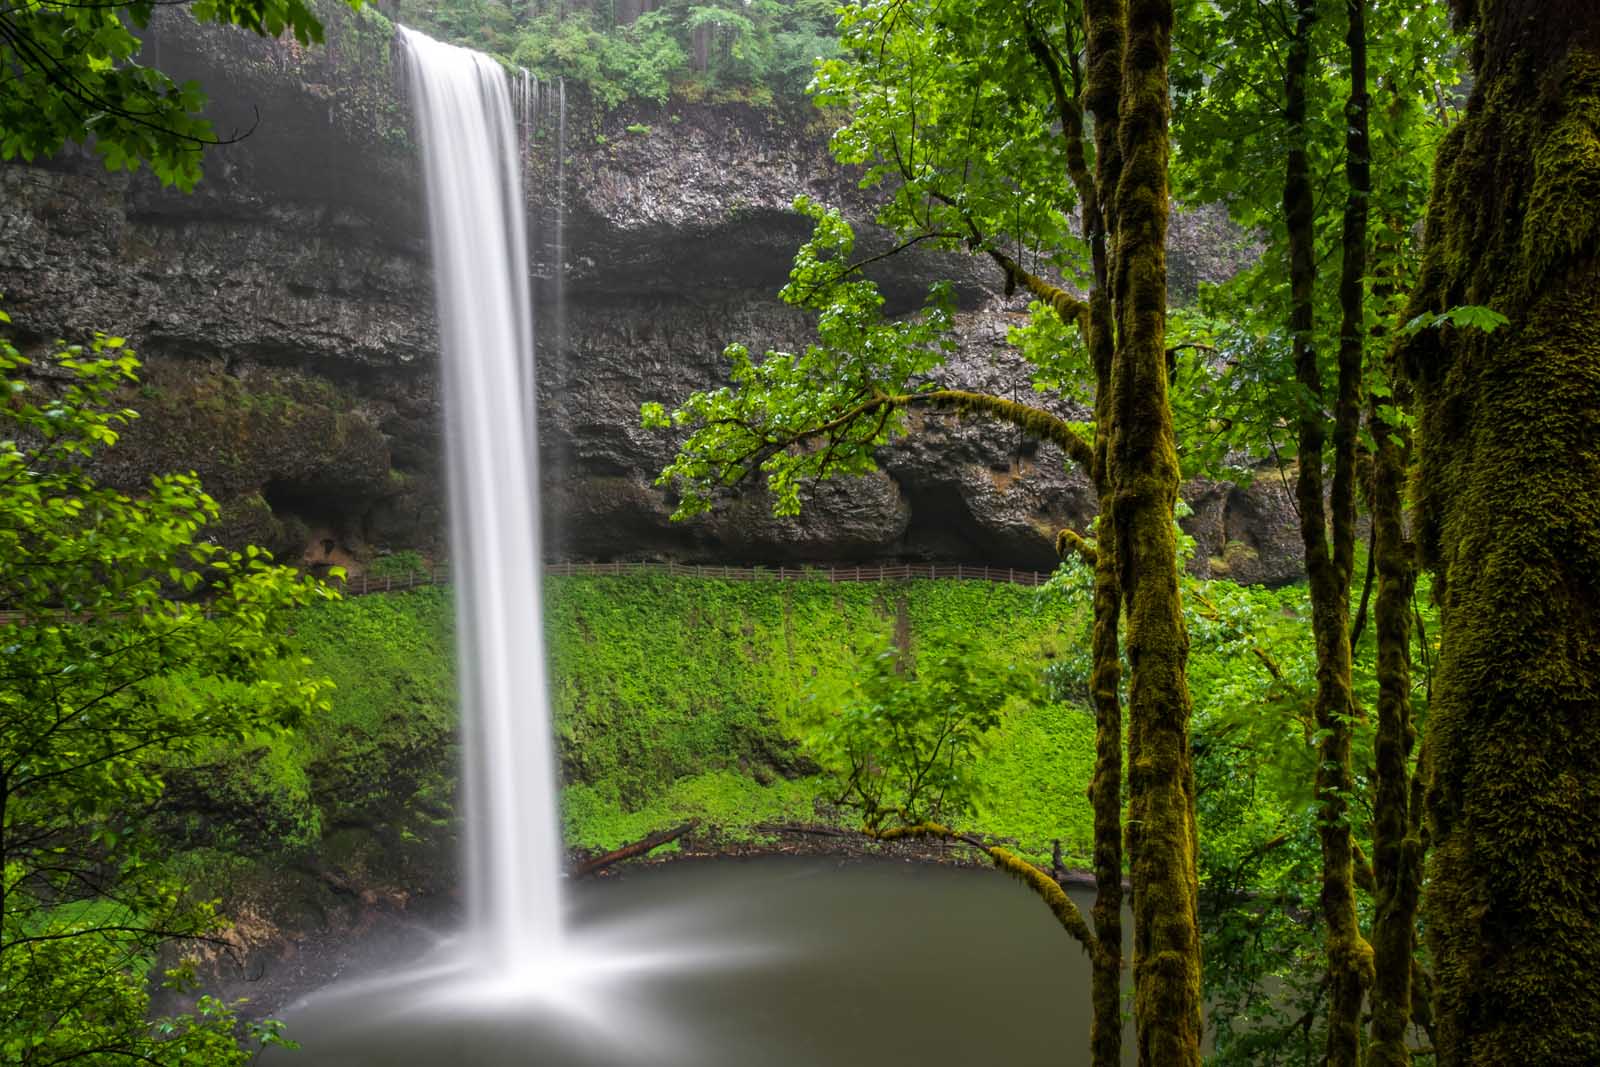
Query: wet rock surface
{"x":285,"y":315}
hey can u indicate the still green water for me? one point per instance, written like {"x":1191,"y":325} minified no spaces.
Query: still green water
{"x":772,"y":962}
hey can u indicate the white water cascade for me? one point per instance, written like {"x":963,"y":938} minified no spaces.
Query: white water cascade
{"x":462,"y":103}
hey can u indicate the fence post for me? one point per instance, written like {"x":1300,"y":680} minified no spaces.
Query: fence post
{"x":959,"y":575}
{"x":363,"y":583}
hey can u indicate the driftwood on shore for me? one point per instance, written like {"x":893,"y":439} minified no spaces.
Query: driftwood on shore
{"x":645,"y":844}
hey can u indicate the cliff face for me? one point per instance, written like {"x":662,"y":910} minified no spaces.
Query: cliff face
{"x":285,"y":315}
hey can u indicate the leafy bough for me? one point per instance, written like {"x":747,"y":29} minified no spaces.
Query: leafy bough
{"x":802,"y":417}
{"x":905,"y":745}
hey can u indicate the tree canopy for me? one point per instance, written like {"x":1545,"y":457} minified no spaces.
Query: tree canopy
{"x":72,"y":74}
{"x":131,"y":646}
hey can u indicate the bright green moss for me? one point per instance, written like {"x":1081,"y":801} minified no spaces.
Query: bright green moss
{"x":1510,"y":522}
{"x":674,"y":698}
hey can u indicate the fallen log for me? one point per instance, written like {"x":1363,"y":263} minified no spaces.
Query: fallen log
{"x":636,"y":848}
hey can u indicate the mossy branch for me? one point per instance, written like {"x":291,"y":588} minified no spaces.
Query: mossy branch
{"x":1036,"y":422}
{"x":1362,"y":869}
{"x":1044,"y":886}
{"x":1067,"y":306}
{"x":1071,"y":542}
{"x":1070,"y":112}
{"x":1269,"y":663}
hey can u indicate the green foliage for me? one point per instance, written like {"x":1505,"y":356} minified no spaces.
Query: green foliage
{"x":1239,"y":393}
{"x":949,"y":110}
{"x":799,"y":418}
{"x":1253,"y":675}
{"x":381,"y":751}
{"x":905,"y":741}
{"x":1031,"y":781}
{"x":1466,"y":316}
{"x":76,"y":999}
{"x":407,"y":563}
{"x":73,"y":75}
{"x":594,"y":817}
{"x":756,"y":51}
{"x":116,"y":600}
{"x":636,"y":62}
{"x":757,"y":669}
{"x":951,"y":114}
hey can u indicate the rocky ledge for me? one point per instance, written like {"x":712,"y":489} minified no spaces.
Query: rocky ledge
{"x":285,"y":315}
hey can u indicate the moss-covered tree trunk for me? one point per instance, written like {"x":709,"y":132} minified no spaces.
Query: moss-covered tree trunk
{"x":1509,"y":523}
{"x":1329,"y":565}
{"x":1144,"y":484}
{"x":1103,"y":52}
{"x":1397,"y":845}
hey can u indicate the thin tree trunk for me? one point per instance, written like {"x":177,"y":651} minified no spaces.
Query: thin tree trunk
{"x":1350,"y":956}
{"x":1508,"y":520}
{"x":1103,"y":35}
{"x":1329,"y":567}
{"x":1397,"y":845}
{"x":1143,"y":466}
{"x":1398,"y":841}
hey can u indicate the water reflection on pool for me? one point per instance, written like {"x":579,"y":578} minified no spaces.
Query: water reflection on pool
{"x":772,"y":962}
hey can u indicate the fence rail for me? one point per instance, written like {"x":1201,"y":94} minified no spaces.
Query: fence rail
{"x":364,"y":584}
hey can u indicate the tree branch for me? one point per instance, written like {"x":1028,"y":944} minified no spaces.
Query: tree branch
{"x":1048,"y":889}
{"x":1070,"y":541}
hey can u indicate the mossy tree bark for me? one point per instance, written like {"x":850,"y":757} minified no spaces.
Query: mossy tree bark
{"x":1100,"y":80}
{"x":1329,"y":565}
{"x":1143,"y":470}
{"x":1102,"y":51}
{"x":1509,"y":523}
{"x":1397,"y":842}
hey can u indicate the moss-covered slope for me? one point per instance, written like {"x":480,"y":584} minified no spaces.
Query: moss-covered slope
{"x":674,"y":698}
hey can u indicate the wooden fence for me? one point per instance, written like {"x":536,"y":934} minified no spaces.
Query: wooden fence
{"x":362,"y":584}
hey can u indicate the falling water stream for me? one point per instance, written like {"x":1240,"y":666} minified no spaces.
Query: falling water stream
{"x":473,"y":177}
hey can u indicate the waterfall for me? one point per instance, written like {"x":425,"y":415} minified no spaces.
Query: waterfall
{"x":559,"y":265}
{"x":473,"y":171}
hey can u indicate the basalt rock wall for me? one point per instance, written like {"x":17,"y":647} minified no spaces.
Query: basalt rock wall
{"x":285,"y":316}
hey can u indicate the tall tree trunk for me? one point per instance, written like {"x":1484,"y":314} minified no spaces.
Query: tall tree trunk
{"x":1398,"y":840}
{"x":1103,"y":34}
{"x":1144,"y":483}
{"x":1329,"y":567}
{"x":1397,"y":845}
{"x":1104,"y":41}
{"x":1509,"y":522}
